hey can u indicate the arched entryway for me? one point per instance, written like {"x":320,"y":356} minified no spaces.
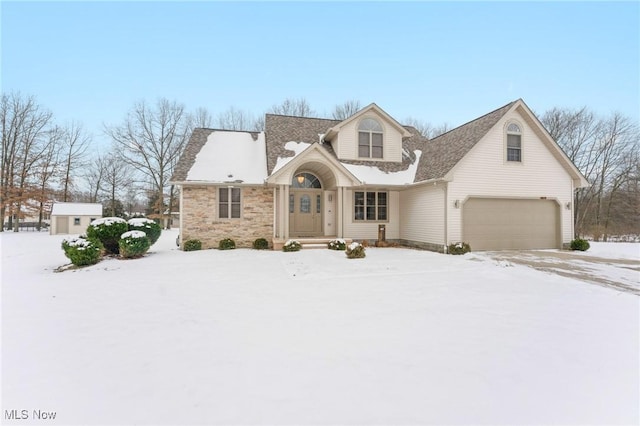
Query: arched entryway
{"x":305,"y":205}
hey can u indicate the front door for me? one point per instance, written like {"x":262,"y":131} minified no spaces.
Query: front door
{"x":305,"y":212}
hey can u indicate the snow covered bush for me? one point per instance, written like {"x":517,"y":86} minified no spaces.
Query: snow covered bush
{"x":292,"y":245}
{"x":337,"y":244}
{"x":108,"y":231}
{"x":192,"y":245}
{"x":82,"y":251}
{"x":580,"y":244}
{"x":227,"y":244}
{"x":133,"y":244}
{"x":458,"y":248}
{"x":355,"y":251}
{"x":261,"y":244}
{"x":148,"y":226}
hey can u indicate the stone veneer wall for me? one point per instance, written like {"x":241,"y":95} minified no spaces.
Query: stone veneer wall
{"x":200,"y":216}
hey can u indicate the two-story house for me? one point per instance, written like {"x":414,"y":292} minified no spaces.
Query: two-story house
{"x":497,"y":182}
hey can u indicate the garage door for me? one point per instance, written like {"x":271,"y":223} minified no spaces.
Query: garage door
{"x":507,"y":224}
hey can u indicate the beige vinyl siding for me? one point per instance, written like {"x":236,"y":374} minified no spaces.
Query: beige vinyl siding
{"x":368,"y":230}
{"x":484,"y":173}
{"x":70,"y":229}
{"x":422,"y":214}
{"x":347,"y":146}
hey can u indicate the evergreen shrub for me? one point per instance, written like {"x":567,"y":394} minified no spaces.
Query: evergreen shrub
{"x":82,"y":251}
{"x":580,"y":244}
{"x":337,"y":244}
{"x":291,"y":245}
{"x":261,"y":244}
{"x":458,"y":248}
{"x":355,"y":251}
{"x":108,"y":231}
{"x":192,"y":245}
{"x":227,"y":244}
{"x":134,"y":244}
{"x":148,"y":226}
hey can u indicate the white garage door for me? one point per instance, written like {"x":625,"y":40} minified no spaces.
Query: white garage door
{"x":507,"y":224}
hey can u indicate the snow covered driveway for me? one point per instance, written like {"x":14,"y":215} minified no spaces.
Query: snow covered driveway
{"x":617,"y":268}
{"x":246,"y":337}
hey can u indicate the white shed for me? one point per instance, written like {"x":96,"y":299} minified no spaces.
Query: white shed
{"x":73,"y":218}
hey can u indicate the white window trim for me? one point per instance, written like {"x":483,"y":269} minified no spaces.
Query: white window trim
{"x":506,"y":142}
{"x":370,"y":132}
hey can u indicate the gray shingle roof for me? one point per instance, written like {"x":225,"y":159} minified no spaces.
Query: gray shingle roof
{"x":445,"y":151}
{"x":439,"y":155}
{"x":282,"y":129}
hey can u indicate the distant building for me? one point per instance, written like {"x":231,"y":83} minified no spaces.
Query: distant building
{"x":73,"y":218}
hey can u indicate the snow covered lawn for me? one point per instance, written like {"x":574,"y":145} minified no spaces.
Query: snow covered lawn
{"x":260,"y":337}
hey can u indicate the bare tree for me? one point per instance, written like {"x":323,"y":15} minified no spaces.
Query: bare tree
{"x":426,"y":129}
{"x":346,"y":110}
{"x":23,"y":124}
{"x":202,"y":118}
{"x":151,"y":140}
{"x":603,"y":149}
{"x":94,"y":177}
{"x":234,"y":119}
{"x":46,"y":169}
{"x":117,"y":179}
{"x":294,"y":107}
{"x":75,"y":142}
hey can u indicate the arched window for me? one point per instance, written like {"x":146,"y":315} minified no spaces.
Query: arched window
{"x":305,"y":180}
{"x":514,"y":142}
{"x":370,"y":138}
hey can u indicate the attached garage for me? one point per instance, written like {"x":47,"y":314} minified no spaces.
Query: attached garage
{"x":508,"y":224}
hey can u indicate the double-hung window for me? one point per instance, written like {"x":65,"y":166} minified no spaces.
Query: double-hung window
{"x":370,"y":205}
{"x":514,"y":143}
{"x":370,"y":137}
{"x":229,"y":203}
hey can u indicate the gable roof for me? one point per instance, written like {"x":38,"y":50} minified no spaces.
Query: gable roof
{"x":445,"y":151}
{"x":371,"y":107}
{"x":282,"y":129}
{"x":77,"y":209}
{"x":222,"y":156}
{"x":422,"y":159}
{"x":303,"y":151}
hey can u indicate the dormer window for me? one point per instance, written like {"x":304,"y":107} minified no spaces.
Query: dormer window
{"x":514,"y":143}
{"x":370,"y":139}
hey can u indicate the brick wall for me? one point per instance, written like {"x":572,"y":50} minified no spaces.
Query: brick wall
{"x":200,"y":216}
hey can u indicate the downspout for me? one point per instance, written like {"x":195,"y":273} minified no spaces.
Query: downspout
{"x":446,"y":216}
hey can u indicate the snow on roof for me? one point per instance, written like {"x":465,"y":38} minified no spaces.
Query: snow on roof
{"x":77,"y":209}
{"x":230,"y":156}
{"x":296,"y":147}
{"x":368,"y":174}
{"x":372,"y":175}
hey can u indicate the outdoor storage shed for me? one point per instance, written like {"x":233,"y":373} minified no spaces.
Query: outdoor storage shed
{"x":73,"y":218}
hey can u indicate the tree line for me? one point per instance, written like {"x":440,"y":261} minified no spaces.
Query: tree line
{"x":44,"y":161}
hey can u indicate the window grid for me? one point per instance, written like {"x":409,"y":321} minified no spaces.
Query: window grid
{"x":370,"y":139}
{"x":229,"y":203}
{"x":370,"y":206}
{"x":514,"y":143}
